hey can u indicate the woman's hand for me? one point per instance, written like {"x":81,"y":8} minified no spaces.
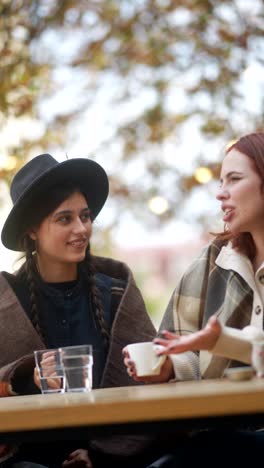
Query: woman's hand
{"x":78,"y":459}
{"x":166,"y":371}
{"x":203,"y":339}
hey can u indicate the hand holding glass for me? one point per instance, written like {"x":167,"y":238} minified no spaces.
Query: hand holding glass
{"x":50,"y":370}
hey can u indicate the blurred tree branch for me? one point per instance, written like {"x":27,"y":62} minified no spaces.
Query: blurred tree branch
{"x":199,"y":48}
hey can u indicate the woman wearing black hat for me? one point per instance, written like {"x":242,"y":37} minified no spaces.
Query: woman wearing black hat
{"x":63,"y":295}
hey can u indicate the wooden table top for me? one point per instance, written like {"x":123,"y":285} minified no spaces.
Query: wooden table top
{"x":170,"y":401}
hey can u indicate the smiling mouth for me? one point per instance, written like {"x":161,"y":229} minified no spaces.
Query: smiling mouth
{"x":78,"y":243}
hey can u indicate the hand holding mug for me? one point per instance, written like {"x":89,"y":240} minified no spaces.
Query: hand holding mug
{"x":144,"y":364}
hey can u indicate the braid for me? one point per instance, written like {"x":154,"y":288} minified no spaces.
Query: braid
{"x":89,"y":271}
{"x":30,"y":270}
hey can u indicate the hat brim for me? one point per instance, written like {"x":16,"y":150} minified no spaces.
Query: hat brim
{"x":88,"y":176}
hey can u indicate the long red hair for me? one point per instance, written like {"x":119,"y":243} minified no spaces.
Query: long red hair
{"x":252,"y":145}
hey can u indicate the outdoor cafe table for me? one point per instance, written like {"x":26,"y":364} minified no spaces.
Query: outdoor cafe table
{"x":137,"y":409}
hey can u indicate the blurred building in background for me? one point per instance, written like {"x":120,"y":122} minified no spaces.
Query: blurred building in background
{"x":158,"y":269}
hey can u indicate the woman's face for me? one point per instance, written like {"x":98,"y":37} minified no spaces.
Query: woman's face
{"x":241,"y":194}
{"x":62,"y":238}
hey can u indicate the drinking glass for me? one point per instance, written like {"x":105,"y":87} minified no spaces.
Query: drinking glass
{"x":77,"y":362}
{"x":257,"y":357}
{"x":50,"y":370}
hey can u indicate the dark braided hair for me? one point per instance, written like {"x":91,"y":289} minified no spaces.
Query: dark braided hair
{"x":29,"y":269}
{"x":89,"y":270}
{"x":46,"y":204}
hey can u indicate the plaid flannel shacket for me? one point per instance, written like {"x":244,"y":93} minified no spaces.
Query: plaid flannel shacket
{"x":206,"y":289}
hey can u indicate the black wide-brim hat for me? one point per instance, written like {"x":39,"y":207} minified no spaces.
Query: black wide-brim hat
{"x":38,"y":176}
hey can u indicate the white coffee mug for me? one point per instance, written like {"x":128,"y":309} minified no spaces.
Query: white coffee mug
{"x":146,"y":360}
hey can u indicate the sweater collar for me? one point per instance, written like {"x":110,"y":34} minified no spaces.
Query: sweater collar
{"x":231,"y":259}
